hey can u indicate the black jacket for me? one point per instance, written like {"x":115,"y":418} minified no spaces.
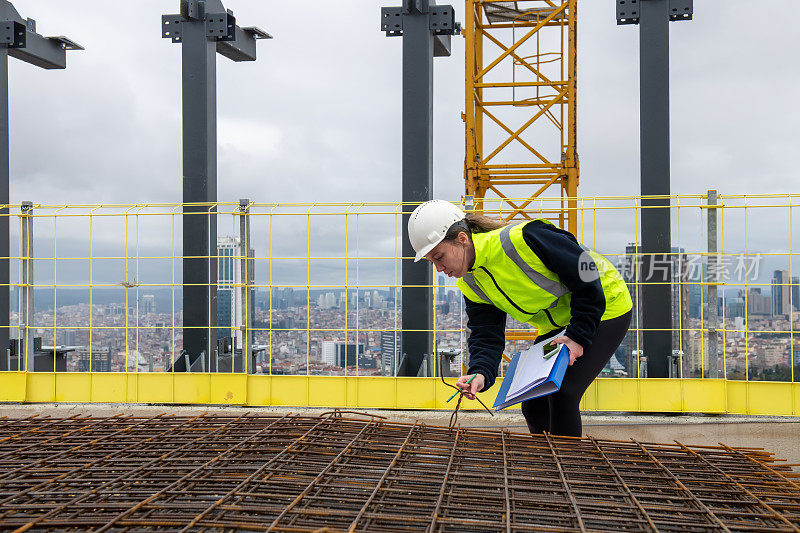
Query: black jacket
{"x":559,"y":251}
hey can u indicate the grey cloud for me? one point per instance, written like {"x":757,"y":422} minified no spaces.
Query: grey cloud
{"x":317,"y":117}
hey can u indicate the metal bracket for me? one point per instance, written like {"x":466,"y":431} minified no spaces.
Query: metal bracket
{"x":66,"y":43}
{"x":221,"y":26}
{"x":44,"y":52}
{"x":243,"y":46}
{"x":193,"y":9}
{"x":628,"y":10}
{"x":441,"y":45}
{"x":12,"y":34}
{"x":469,"y":203}
{"x":681,"y":10}
{"x":442,"y":21}
{"x":392,"y":21}
{"x":256,"y":32}
{"x":15,"y":35}
{"x":418,"y":6}
{"x":171,"y":27}
{"x":233,"y":42}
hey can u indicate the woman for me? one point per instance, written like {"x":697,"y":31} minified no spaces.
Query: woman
{"x":539,"y":274}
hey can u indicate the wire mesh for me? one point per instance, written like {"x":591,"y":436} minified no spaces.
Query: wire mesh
{"x":339,"y":472}
{"x":105,"y":282}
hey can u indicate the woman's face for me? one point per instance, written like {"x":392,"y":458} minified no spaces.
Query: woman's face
{"x":453,"y":257}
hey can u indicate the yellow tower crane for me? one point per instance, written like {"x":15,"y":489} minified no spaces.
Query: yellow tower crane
{"x":520,"y":112}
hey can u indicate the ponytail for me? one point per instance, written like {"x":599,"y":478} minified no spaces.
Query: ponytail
{"x":481,"y":224}
{"x":473,"y":223}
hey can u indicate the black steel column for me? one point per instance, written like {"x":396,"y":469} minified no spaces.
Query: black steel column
{"x":198,"y":57}
{"x":18,"y":39}
{"x":417,"y":301}
{"x":426,"y":30}
{"x":5,"y":318}
{"x":655,"y":180}
{"x":655,"y":273}
{"x":203,"y":27}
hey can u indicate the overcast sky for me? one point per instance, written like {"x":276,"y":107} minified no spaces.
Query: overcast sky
{"x":317,"y":117}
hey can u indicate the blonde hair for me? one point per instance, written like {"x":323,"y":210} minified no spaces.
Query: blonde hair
{"x":478,"y":223}
{"x":474,"y":223}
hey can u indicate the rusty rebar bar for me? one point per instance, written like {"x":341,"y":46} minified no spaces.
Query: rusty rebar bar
{"x":335,"y":473}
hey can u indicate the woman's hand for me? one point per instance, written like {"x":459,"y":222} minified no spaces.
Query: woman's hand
{"x":575,"y":349}
{"x":474,"y":387}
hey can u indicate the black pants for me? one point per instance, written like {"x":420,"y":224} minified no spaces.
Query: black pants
{"x":558,"y":413}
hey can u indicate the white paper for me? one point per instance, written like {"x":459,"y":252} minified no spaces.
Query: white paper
{"x":532,"y":369}
{"x":544,"y":389}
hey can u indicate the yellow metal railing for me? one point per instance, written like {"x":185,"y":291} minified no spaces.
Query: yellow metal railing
{"x":87,"y":277}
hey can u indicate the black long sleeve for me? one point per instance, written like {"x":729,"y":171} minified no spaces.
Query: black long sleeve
{"x":487,"y":339}
{"x":560,"y":251}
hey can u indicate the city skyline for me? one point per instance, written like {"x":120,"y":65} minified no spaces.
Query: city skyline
{"x":288,"y":341}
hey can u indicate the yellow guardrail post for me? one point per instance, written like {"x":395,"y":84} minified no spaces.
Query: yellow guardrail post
{"x":26,"y":268}
{"x":245,"y":302}
{"x":713,"y":278}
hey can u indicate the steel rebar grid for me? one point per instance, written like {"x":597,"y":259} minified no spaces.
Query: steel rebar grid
{"x":300,"y":473}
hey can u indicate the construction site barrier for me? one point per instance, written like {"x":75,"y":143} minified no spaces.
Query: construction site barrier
{"x":713,"y":396}
{"x":321,"y":281}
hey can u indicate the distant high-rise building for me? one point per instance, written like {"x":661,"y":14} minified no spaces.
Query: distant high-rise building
{"x":781,"y":292}
{"x":329,"y":352}
{"x":795,"y":292}
{"x":738,"y":326}
{"x":735,"y":306}
{"x":684,"y":279}
{"x":757,"y":303}
{"x":347,"y":353}
{"x":329,"y":300}
{"x":283,"y":298}
{"x":454,"y":300}
{"x":695,"y":299}
{"x":390,"y":348}
{"x":148,"y":304}
{"x":69,"y":337}
{"x":96,"y":360}
{"x":228,"y":276}
{"x":340,"y":353}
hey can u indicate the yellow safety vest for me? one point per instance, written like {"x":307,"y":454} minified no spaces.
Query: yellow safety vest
{"x":508,"y":275}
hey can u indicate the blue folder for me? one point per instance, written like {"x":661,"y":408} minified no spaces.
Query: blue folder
{"x":550,"y":385}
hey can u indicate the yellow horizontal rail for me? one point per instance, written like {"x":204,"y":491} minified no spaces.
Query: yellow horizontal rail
{"x":366,"y":392}
{"x":351,"y":248}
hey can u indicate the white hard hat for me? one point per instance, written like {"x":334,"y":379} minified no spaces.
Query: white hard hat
{"x":429,"y":223}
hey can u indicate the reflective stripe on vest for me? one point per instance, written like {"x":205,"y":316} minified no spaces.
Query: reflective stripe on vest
{"x":469,"y":279}
{"x":540,"y":280}
{"x":510,"y":276}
